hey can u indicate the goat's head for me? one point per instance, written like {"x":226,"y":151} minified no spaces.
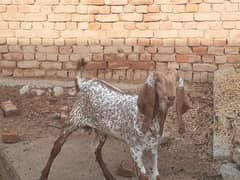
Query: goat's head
{"x":158,"y":94}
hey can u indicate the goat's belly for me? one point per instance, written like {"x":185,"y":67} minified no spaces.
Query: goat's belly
{"x":112,"y":128}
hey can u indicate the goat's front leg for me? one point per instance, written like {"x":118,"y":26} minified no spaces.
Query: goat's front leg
{"x":65,"y":133}
{"x":98,"y":153}
{"x":154,"y":164}
{"x":137,"y":155}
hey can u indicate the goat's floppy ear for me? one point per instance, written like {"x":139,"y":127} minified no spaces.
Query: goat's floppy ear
{"x":146,"y":101}
{"x":182,"y":104}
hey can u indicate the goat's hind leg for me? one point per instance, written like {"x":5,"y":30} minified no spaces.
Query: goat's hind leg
{"x":64,"y":134}
{"x":98,"y":152}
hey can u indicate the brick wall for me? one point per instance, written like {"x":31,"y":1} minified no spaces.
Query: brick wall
{"x":122,"y":39}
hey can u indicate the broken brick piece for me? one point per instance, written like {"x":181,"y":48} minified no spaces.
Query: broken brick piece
{"x":126,"y":169}
{"x":10,"y":137}
{"x":9,"y":109}
{"x":236,"y":136}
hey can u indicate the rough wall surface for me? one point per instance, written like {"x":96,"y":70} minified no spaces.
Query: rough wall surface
{"x":122,"y":39}
{"x":226,"y":108}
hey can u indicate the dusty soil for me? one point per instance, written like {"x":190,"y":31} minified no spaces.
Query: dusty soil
{"x":184,"y":157}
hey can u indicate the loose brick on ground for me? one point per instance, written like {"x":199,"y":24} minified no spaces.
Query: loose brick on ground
{"x":10,"y":137}
{"x":9,"y":109}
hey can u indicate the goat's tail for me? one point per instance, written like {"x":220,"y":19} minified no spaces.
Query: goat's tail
{"x":80,"y":67}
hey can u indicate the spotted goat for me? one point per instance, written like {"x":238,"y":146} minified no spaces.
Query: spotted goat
{"x":137,"y":120}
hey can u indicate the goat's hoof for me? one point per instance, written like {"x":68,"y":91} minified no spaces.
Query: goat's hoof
{"x":142,"y":177}
{"x":158,"y":177}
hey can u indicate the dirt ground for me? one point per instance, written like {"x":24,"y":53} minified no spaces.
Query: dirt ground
{"x":184,"y":157}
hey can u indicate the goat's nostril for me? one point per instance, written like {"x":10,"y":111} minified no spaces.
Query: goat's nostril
{"x":171,"y":98}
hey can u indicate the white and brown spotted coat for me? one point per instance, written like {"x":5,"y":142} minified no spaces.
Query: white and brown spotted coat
{"x":109,"y":110}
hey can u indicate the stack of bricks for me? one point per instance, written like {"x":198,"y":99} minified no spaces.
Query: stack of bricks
{"x":121,"y":39}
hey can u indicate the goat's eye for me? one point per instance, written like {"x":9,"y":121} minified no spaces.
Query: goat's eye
{"x":158,"y":81}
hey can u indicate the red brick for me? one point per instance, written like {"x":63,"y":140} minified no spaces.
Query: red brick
{"x":62,"y":74}
{"x":204,"y":67}
{"x":234,"y":59}
{"x":140,"y":2}
{"x":2,"y":8}
{"x":82,"y":18}
{"x":119,"y":74}
{"x":156,"y":42}
{"x":164,"y":57}
{"x":93,"y":2}
{"x":232,"y":50}
{"x":220,"y":42}
{"x":141,"y":33}
{"x":96,"y":65}
{"x":145,"y":57}
{"x":10,"y":137}
{"x":7,"y":64}
{"x":64,"y":9}
{"x":51,"y":65}
{"x":97,"y":56}
{"x":161,"y":66}
{"x":70,"y":65}
{"x":141,"y":26}
{"x":65,"y":50}
{"x":18,"y":73}
{"x":187,"y":58}
{"x":14,"y":48}
{"x":130,"y":25}
{"x":185,"y":66}
{"x":143,"y":65}
{"x":220,"y":59}
{"x":182,"y":58}
{"x":74,"y":2}
{"x":166,"y":50}
{"x":3,"y":49}
{"x":59,"y":17}
{"x":192,"y":8}
{"x":154,"y":8}
{"x":35,"y":17}
{"x":133,"y":57}
{"x":194,"y":41}
{"x":204,"y":77}
{"x":6,"y":72}
{"x":131,"y":17}
{"x":140,"y":75}
{"x":196,"y":77}
{"x":154,"y":17}
{"x":94,"y":26}
{"x":9,"y":109}
{"x":173,"y":65}
{"x":216,"y":50}
{"x":115,"y":3}
{"x":207,"y":16}
{"x":13,"y":56}
{"x":151,"y":49}
{"x":208,"y":58}
{"x":200,"y":50}
{"x":143,"y":42}
{"x":47,"y":49}
{"x":183,"y":50}
{"x":28,"y":64}
{"x":38,"y":72}
{"x":107,"y":18}
{"x":115,"y":57}
{"x":47,"y":2}
{"x":119,"y":65}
